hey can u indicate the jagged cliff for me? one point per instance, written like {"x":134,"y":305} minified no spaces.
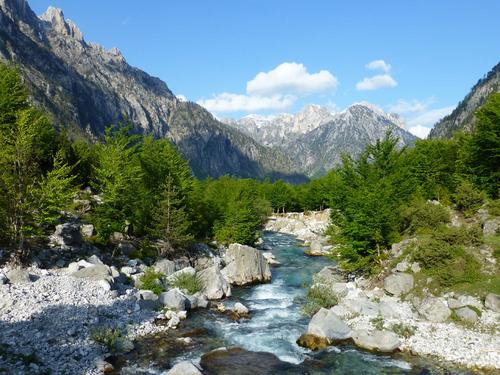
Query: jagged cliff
{"x":86,"y":88}
{"x":462,"y":118}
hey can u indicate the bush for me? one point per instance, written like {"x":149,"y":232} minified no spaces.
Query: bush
{"x":403,"y":330}
{"x":424,"y":215}
{"x":472,"y":236}
{"x":377,"y":322}
{"x":188,"y":282}
{"x":151,"y":280}
{"x":108,"y":337}
{"x":448,"y":264}
{"x":494,"y":207}
{"x":468,"y":199}
{"x":318,"y":296}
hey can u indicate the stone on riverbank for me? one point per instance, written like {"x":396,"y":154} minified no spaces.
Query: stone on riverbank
{"x":492,"y":302}
{"x":164,"y":266}
{"x":327,"y":324}
{"x":312,"y":342}
{"x":174,"y":299}
{"x":18,"y":276}
{"x":245,"y":265}
{"x":215,"y":286}
{"x":381,"y":341}
{"x":398,"y":283}
{"x":467,"y":314}
{"x":434,"y":309}
{"x":184,"y":368}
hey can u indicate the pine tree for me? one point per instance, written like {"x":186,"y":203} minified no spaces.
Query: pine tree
{"x":171,"y":222}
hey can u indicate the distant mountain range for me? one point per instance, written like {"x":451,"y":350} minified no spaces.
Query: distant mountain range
{"x":86,"y":88}
{"x":315,"y":138}
{"x":462,"y":118}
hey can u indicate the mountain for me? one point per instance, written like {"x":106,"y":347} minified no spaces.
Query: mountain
{"x":462,"y":118}
{"x":316,"y":138}
{"x":85,"y":88}
{"x":281,"y":129}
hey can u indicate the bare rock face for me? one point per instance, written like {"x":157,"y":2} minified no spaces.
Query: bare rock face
{"x":245,"y":265}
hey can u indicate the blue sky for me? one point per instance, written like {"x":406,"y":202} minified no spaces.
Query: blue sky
{"x":418,"y":58}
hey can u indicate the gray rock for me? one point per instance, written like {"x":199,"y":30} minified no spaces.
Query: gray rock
{"x":73,"y":267}
{"x":454,"y":303}
{"x":245,"y":265}
{"x":327,"y":324}
{"x":491,"y":227}
{"x":316,"y":248}
{"x":467,"y":314}
{"x":215,"y":286}
{"x":96,"y":272}
{"x":127,"y":270}
{"x":381,"y":341}
{"x":398,"y":283}
{"x":184,"y":368}
{"x":3,"y":279}
{"x":402,"y":266}
{"x":165,"y":266}
{"x":197,"y":301}
{"x":174,"y":299}
{"x":340,"y":289}
{"x":270,"y":258}
{"x":434,"y":309}
{"x":470,"y":301}
{"x":187,"y":270}
{"x":398,"y":248}
{"x":240,"y":308}
{"x":492,"y":302}
{"x":147,"y":295}
{"x":66,"y":235}
{"x":104,"y":284}
{"x":87,"y":230}
{"x":328,"y":275}
{"x":18,"y":276}
{"x":94,"y":259}
{"x":415,"y":267}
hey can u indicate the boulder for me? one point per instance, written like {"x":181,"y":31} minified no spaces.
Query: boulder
{"x":174,"y":299}
{"x":87,"y":230}
{"x":187,"y":270}
{"x":197,"y":301}
{"x":434,"y":309}
{"x":94,"y":259}
{"x":328,"y":275}
{"x":316,"y":248}
{"x":66,"y":235}
{"x":381,"y":341}
{"x":327,"y":324}
{"x":391,"y":309}
{"x":415,"y":267}
{"x":467,"y":314}
{"x":454,"y":303}
{"x":402,"y":266}
{"x":95,"y":272}
{"x":470,"y":301}
{"x":240,"y":309}
{"x":147,"y":295}
{"x":245,"y":265}
{"x":492,"y":302}
{"x":18,"y":276}
{"x":215,"y":286}
{"x":164,"y":266}
{"x":398,"y":283}
{"x":312,"y":342}
{"x":491,"y":227}
{"x":184,"y":368}
{"x":270,"y":258}
{"x":3,"y":279}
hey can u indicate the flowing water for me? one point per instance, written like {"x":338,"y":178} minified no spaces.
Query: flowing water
{"x":277,"y":321}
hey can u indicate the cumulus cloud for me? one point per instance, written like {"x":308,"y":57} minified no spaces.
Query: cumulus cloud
{"x":412,"y":106}
{"x":228,"y":102}
{"x":291,"y":78}
{"x":376,"y":82}
{"x":276,"y":89}
{"x":429,"y":118}
{"x":379,"y":65}
{"x":420,"y":131}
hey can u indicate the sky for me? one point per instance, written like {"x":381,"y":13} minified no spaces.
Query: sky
{"x":236,"y":57}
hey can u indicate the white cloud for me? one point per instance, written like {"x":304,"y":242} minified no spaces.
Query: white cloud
{"x":376,"y":82}
{"x":412,"y":106}
{"x":182,"y":98}
{"x":379,"y":65}
{"x":229,"y":102}
{"x":420,"y":131}
{"x":276,"y":89}
{"x":291,"y":78}
{"x":429,"y":118}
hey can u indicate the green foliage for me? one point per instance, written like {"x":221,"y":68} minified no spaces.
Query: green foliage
{"x":494,"y":207}
{"x":448,"y":264}
{"x":468,"y":199}
{"x":424,"y":215}
{"x":187,"y":282}
{"x":107,"y":337}
{"x":377,"y":322}
{"x":318,"y":296}
{"x":403,"y":330}
{"x":467,"y":236}
{"x":151,"y":280}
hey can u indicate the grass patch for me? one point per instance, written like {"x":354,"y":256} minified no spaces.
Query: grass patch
{"x":107,"y":337}
{"x":151,"y":280}
{"x":403,"y":330}
{"x":188,"y":282}
{"x":377,"y":322}
{"x":318,"y":296}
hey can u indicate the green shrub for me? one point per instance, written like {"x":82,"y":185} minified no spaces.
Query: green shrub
{"x":467,"y":236}
{"x":151,"y":280}
{"x":145,"y":251}
{"x":468,"y":199}
{"x":494,"y":207}
{"x":403,"y":330}
{"x":318,"y":296}
{"x":424,"y":215}
{"x":188,"y":282}
{"x":448,"y":264}
{"x":108,"y":337}
{"x":377,"y":322}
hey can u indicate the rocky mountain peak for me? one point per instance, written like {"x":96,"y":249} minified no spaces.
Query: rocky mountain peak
{"x":54,"y":17}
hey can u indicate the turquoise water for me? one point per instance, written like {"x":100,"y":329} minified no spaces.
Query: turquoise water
{"x":275,"y":324}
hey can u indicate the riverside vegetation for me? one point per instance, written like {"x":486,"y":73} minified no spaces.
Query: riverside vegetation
{"x":137,"y":187}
